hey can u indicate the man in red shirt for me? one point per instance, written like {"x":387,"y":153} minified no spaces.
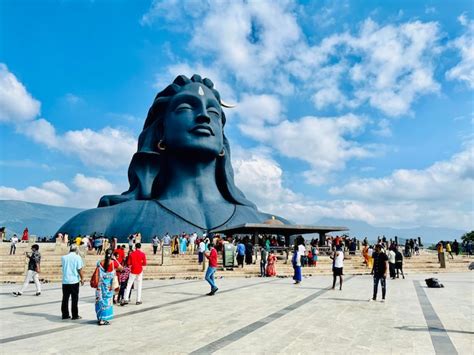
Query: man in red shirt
{"x":211,"y":255}
{"x":136,"y":261}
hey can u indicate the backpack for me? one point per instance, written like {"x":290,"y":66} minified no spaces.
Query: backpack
{"x":433,"y":283}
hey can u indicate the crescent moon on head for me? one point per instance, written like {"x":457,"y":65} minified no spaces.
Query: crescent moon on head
{"x":223,"y":104}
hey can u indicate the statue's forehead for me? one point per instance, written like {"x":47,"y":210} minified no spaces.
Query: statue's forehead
{"x":198,"y":89}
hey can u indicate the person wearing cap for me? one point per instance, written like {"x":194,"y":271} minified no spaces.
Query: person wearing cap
{"x":379,"y":270}
{"x":72,"y":267}
{"x":33,"y":270}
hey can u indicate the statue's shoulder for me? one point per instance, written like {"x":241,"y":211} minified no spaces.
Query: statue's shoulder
{"x":93,"y":220}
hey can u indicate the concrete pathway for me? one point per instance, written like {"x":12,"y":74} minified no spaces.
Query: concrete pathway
{"x":251,"y":315}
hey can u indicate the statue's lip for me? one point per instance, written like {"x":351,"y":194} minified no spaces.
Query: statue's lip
{"x":202,"y":129}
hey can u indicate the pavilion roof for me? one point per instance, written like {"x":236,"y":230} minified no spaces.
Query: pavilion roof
{"x":285,"y":229}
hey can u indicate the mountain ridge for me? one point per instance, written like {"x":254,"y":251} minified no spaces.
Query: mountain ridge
{"x":44,"y":220}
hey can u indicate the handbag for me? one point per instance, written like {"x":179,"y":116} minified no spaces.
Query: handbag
{"x":95,"y":278}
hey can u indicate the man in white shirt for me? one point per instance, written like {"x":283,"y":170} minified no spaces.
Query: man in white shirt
{"x":192,"y":242}
{"x":167,"y":240}
{"x":391,"y":263}
{"x":201,"y":250}
{"x":13,"y":243}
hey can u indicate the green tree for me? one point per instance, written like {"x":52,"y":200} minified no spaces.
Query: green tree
{"x":468,"y":236}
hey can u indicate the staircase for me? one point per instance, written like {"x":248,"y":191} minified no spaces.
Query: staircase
{"x":12,"y":267}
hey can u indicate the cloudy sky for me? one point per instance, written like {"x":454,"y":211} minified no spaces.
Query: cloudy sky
{"x":349,"y":109}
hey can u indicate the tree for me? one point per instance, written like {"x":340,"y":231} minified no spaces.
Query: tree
{"x":468,"y":236}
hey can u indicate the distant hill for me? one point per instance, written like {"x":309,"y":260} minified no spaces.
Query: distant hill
{"x":363,"y":229}
{"x":41,"y":220}
{"x":45,"y":220}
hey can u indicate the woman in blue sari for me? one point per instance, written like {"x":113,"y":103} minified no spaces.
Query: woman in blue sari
{"x":104,"y":293}
{"x":296,"y":261}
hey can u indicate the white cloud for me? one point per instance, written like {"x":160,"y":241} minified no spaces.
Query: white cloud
{"x":440,"y":194}
{"x":261,"y":180}
{"x":16,"y":104}
{"x":263,"y":48}
{"x":411,"y":198}
{"x":325,"y":143}
{"x":86,"y":193}
{"x":108,"y":148}
{"x":254,"y":41}
{"x":394,"y":65}
{"x":464,"y":70}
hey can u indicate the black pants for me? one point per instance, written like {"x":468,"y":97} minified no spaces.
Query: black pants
{"x":72,"y":291}
{"x":263,"y":267}
{"x":376,"y":284}
{"x":392,"y":270}
{"x":12,"y":249}
{"x":155,"y":248}
{"x":240,"y":260}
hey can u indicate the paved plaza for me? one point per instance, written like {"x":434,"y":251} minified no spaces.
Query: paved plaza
{"x":251,"y":315}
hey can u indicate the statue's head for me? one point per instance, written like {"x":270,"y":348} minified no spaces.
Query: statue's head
{"x":187,"y":119}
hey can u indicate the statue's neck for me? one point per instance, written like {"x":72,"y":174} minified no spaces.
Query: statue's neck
{"x":191,"y":180}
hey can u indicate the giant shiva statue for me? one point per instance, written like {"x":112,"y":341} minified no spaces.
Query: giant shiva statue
{"x":181,"y":178}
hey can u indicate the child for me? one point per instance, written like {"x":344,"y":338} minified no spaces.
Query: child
{"x":123,"y":279}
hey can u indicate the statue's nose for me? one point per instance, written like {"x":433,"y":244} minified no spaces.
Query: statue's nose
{"x":203,"y":116}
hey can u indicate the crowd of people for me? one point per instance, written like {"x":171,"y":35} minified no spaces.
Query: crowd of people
{"x":121,"y":269}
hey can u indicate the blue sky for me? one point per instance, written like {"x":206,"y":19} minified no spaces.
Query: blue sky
{"x":357,"y":110}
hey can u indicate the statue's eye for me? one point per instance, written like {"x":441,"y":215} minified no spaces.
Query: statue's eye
{"x":213,"y":112}
{"x":183,"y":107}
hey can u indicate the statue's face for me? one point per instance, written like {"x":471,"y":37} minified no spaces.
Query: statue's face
{"x":193,"y":121}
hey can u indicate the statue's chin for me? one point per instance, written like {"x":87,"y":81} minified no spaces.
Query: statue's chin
{"x":196,"y":153}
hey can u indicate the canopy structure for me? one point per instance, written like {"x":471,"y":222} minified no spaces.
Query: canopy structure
{"x":286,"y":230}
{"x":283,"y":229}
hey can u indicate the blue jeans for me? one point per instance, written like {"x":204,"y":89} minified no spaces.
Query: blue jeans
{"x":382,"y":283}
{"x":210,"y":277}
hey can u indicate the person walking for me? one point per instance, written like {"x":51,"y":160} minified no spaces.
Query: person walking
{"x":201,"y":250}
{"x":155,"y":242}
{"x":271,"y":261}
{"x":456,"y":247}
{"x":296,"y":262}
{"x":33,"y":270}
{"x":192,"y":243}
{"x":137,"y":261}
{"x":211,"y":255}
{"x":263,"y":261}
{"x":13,"y":243}
{"x":379,"y":270}
{"x":167,"y":240}
{"x":104,"y":307}
{"x":240,"y":254}
{"x":72,"y":267}
{"x":248,"y":253}
{"x":399,"y":263}
{"x":391,"y":263}
{"x":338,"y":267}
{"x":448,"y":250}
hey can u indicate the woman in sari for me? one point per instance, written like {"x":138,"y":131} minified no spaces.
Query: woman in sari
{"x":365,"y":254}
{"x":183,"y":245}
{"x":175,"y":245}
{"x":104,"y":293}
{"x":271,"y":271}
